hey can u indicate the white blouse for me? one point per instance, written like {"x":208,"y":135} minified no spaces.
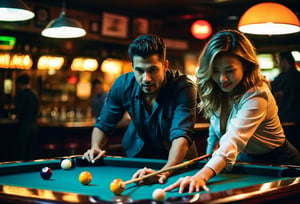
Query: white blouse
{"x":253,"y":127}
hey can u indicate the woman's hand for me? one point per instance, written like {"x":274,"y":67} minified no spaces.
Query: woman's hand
{"x":159,"y":178}
{"x":93,"y":154}
{"x":193,"y":183}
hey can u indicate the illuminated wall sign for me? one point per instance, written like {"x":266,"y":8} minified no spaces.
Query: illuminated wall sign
{"x":201,"y":29}
{"x":7,"y":42}
{"x":15,"y":61}
{"x":84,"y":64}
{"x":112,"y":66}
{"x":47,"y":62}
{"x":265,"y":61}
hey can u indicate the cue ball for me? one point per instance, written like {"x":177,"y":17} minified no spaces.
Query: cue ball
{"x":66,"y":164}
{"x":85,"y":177}
{"x":159,"y":195}
{"x":46,"y":173}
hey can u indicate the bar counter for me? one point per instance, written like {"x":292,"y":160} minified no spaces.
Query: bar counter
{"x":62,"y":138}
{"x":89,"y":123}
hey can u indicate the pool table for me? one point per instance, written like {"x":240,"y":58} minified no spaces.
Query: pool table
{"x":20,"y":182}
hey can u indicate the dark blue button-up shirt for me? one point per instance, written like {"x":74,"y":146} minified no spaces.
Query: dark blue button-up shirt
{"x":173,"y":114}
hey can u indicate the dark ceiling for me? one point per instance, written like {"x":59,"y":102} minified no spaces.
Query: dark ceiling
{"x":178,"y":15}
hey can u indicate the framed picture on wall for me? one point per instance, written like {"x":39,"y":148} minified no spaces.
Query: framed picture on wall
{"x":114,"y":25}
{"x":140,"y":26}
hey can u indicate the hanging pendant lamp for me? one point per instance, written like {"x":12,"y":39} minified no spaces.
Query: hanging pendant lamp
{"x":14,"y":10}
{"x":269,"y":19}
{"x":64,"y":27}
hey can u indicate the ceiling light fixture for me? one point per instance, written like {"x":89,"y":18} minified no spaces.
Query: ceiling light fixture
{"x":14,"y":10}
{"x":64,"y":27}
{"x":269,"y":19}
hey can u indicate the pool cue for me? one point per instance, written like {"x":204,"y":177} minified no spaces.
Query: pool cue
{"x":178,"y":166}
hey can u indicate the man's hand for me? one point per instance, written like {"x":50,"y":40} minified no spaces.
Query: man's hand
{"x":159,"y":178}
{"x":93,"y":154}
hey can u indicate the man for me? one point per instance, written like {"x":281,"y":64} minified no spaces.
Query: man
{"x":286,"y":86}
{"x":27,"y":109}
{"x":98,"y":98}
{"x":161,"y":104}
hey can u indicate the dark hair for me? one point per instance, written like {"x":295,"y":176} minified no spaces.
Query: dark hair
{"x":96,"y":81}
{"x":23,"y":79}
{"x":147,"y":45}
{"x":288,"y":56}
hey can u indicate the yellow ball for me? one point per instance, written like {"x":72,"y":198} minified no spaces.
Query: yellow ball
{"x":117,"y":186}
{"x":85,"y":177}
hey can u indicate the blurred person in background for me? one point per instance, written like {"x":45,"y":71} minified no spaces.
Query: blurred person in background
{"x":286,"y":88}
{"x":27,"y":110}
{"x":98,"y":98}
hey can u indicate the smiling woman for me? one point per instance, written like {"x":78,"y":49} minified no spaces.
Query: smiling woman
{"x":244,"y":125}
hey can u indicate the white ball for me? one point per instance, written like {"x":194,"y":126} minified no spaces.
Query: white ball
{"x":159,"y":195}
{"x":66,"y":164}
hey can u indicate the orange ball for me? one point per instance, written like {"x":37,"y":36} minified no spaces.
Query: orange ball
{"x":85,"y":177}
{"x":117,"y":186}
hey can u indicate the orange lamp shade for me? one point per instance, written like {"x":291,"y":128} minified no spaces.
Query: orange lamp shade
{"x":269,"y":19}
{"x":201,"y":29}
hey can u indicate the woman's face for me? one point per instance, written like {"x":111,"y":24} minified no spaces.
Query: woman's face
{"x":227,"y":72}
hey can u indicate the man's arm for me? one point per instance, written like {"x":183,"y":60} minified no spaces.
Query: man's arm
{"x":99,"y":139}
{"x":177,"y":153}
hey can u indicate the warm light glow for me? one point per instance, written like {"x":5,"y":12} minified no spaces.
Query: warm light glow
{"x":269,"y":19}
{"x":84,"y":86}
{"x":127,"y":66}
{"x":265,"y":61}
{"x":7,"y":86}
{"x":84,"y":64}
{"x":201,"y":29}
{"x":14,"y":10}
{"x":39,"y":193}
{"x":47,"y":62}
{"x":83,"y":89}
{"x":112,"y":66}
{"x":296,"y":55}
{"x":15,"y":61}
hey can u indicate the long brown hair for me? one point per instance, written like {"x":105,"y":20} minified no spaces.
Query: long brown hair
{"x":234,"y":43}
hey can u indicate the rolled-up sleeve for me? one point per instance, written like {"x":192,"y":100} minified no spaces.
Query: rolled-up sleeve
{"x":184,"y":116}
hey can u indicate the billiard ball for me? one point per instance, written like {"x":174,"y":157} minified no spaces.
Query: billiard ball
{"x":46,"y":173}
{"x":117,"y":186}
{"x":85,"y":177}
{"x":66,"y":164}
{"x":159,"y":195}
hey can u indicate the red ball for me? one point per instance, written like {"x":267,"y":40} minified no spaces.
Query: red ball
{"x":46,"y":173}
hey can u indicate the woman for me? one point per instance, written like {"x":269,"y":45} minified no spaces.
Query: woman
{"x":244,"y":124}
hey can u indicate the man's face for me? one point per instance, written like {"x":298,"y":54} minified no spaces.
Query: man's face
{"x":149,"y":73}
{"x":283,"y":65}
{"x":98,"y":89}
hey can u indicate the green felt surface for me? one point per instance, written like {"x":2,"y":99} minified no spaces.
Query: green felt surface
{"x":67,"y":181}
